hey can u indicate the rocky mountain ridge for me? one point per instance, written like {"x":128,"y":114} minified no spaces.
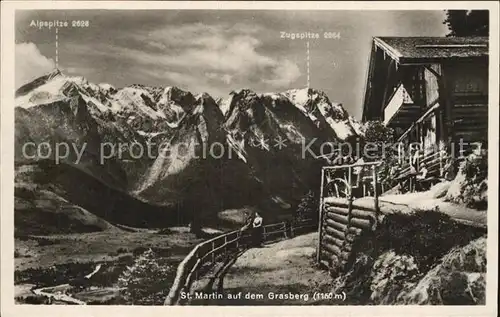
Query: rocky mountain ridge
{"x":178,"y":129}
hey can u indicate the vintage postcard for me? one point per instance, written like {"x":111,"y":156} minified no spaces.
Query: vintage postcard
{"x":249,"y":158}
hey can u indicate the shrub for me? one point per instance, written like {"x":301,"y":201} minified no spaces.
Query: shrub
{"x":34,"y":300}
{"x":379,"y":135}
{"x":476,"y":167}
{"x":139,"y":250}
{"x":121,"y":250}
{"x":165,"y":231}
{"x":146,"y":282}
{"x":377,"y":132}
{"x":24,"y":192}
{"x":308,"y":207}
{"x":43,"y":242}
{"x":470,"y":185}
{"x":57,"y":274}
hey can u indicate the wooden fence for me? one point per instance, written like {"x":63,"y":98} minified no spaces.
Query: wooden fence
{"x":207,"y":254}
{"x":434,"y":162}
{"x":340,"y":221}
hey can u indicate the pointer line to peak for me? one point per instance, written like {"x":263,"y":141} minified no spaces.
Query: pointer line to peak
{"x":57,"y":48}
{"x":308,"y":71}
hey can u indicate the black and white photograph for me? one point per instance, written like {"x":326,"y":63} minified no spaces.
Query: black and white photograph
{"x":210,"y":155}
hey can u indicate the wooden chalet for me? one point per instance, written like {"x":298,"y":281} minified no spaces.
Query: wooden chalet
{"x":430,"y":90}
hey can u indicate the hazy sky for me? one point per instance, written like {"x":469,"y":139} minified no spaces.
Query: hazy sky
{"x":216,"y":51}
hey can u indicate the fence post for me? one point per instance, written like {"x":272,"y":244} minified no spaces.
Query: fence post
{"x":375,"y":193}
{"x":441,"y":167}
{"x":196,"y":271}
{"x":213,"y":253}
{"x":225,"y":246}
{"x":350,"y":199}
{"x":320,"y":216}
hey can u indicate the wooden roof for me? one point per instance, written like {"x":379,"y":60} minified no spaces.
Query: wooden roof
{"x":425,"y":49}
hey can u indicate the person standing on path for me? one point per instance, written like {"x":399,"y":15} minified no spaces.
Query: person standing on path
{"x":257,"y":231}
{"x":253,"y":229}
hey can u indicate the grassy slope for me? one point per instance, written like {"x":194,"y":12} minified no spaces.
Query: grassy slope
{"x":45,"y":251}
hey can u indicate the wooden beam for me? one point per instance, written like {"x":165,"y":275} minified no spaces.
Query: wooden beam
{"x":387,"y":83}
{"x":428,"y":112}
{"x":335,"y":241}
{"x":332,"y":249}
{"x":444,"y":128}
{"x":445,"y":100}
{"x":333,"y":219}
{"x":320,"y":211}
{"x":387,"y":49}
{"x":335,"y":232}
{"x":355,"y":212}
{"x":436,"y":74}
{"x":452,"y":46}
{"x":375,"y":194}
{"x":406,"y":132}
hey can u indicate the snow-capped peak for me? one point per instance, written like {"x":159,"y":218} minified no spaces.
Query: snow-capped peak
{"x":45,"y":89}
{"x":107,"y":87}
{"x":225,"y":104}
{"x":172,"y":104}
{"x":56,"y":86}
{"x":299,"y":97}
{"x":138,"y":100}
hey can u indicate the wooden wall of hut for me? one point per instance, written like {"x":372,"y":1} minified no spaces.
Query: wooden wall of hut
{"x":469,"y":85}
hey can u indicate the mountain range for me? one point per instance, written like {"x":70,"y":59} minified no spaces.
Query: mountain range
{"x":201,"y":155}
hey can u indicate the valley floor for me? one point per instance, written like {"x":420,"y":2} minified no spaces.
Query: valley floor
{"x":48,"y":261}
{"x":46,"y":251}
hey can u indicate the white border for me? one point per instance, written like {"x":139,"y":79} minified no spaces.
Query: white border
{"x":7,"y":171}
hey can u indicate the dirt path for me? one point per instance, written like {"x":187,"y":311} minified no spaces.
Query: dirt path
{"x":281,"y":273}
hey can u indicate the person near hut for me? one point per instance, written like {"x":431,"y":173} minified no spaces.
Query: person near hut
{"x":414,"y":160}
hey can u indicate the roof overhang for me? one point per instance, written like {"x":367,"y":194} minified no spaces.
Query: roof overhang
{"x":390,"y":51}
{"x":399,"y":58}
